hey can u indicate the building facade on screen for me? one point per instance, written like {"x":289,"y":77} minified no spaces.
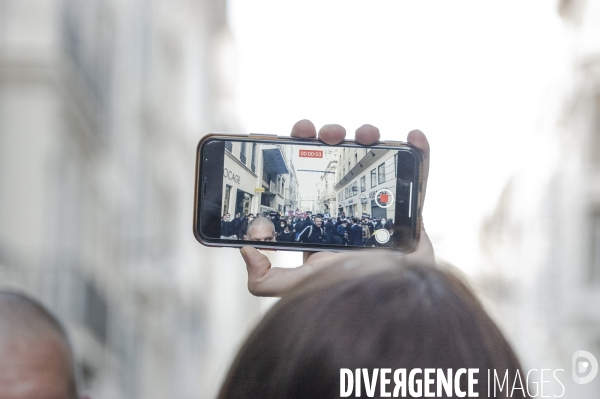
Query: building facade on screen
{"x":361,"y":174}
{"x":259,"y":179}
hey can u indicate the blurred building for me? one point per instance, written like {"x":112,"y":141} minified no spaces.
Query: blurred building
{"x":101,"y":107}
{"x":542,"y":243}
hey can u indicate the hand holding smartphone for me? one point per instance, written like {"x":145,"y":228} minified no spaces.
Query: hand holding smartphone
{"x":343,"y":195}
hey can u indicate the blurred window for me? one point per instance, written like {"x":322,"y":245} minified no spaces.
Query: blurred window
{"x":229,"y":146}
{"x":594,"y":146}
{"x":373,"y":178}
{"x":96,"y":312}
{"x":363,"y":183}
{"x":253,"y":161}
{"x":396,"y":165}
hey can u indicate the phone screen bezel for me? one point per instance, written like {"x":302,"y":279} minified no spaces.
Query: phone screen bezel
{"x":209,"y":188}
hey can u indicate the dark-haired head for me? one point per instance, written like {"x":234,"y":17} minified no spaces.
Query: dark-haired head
{"x":36,"y":359}
{"x":398,"y":317}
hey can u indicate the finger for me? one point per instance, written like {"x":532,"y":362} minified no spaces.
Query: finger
{"x":367,"y":135}
{"x":306,"y":255}
{"x":332,"y":134}
{"x":424,"y":252}
{"x":258,"y":266}
{"x":304,"y":129}
{"x":278,"y":280}
{"x":419,"y":140}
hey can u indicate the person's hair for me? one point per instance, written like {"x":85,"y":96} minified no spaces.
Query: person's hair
{"x":354,"y":220}
{"x":389,"y":226}
{"x":408,"y":316}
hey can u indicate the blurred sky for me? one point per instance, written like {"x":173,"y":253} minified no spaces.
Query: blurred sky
{"x":482,"y":79}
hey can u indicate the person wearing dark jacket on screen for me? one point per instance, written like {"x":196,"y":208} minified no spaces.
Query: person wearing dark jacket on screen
{"x":279,"y":226}
{"x":237,"y":223}
{"x":301,"y":225}
{"x":228,"y":228}
{"x":341,"y":232}
{"x":331,"y":236}
{"x":244,"y":225}
{"x":286,"y":235}
{"x":355,"y":237}
{"x":312,"y":233}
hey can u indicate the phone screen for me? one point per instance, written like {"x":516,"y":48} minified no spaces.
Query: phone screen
{"x":308,"y":195}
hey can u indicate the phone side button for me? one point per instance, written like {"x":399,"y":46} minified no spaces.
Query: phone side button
{"x":263,"y":134}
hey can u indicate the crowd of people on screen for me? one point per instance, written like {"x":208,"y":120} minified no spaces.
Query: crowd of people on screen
{"x":311,"y":229}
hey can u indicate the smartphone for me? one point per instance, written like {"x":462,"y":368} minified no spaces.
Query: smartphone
{"x":302,"y":195}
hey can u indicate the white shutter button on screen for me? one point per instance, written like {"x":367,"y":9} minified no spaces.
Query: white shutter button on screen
{"x":382,"y":236}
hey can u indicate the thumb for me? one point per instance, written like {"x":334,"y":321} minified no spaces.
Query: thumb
{"x":424,"y":252}
{"x":257,"y":265}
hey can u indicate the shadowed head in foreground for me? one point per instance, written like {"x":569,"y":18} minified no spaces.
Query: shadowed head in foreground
{"x":36,"y":359}
{"x":361,"y":314}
